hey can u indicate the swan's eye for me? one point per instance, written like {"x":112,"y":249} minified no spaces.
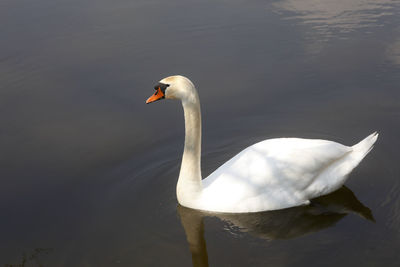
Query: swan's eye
{"x":161,"y":86}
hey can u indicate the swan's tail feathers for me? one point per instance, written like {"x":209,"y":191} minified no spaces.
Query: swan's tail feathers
{"x":361,"y":149}
{"x":337,"y":173}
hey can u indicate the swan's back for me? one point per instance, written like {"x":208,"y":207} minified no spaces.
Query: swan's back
{"x":280,"y":173}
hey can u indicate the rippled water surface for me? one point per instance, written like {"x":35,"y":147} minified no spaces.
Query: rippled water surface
{"x":88,"y":171}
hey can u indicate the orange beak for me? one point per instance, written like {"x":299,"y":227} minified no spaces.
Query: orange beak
{"x":157,"y":96}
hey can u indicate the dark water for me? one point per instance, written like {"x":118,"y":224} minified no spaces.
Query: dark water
{"x":88,"y":171}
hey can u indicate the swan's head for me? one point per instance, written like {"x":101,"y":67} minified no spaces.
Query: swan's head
{"x":174,"y":87}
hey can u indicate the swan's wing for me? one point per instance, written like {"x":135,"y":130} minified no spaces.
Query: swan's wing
{"x":280,"y":169}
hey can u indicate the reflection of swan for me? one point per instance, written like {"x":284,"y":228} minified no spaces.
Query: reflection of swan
{"x":271,"y":225}
{"x":192,"y":222}
{"x":289,"y":223}
{"x":273,"y":174}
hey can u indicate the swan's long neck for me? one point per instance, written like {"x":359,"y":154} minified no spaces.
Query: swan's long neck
{"x":189,"y":184}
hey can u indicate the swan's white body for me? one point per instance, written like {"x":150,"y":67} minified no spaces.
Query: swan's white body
{"x":270,"y":175}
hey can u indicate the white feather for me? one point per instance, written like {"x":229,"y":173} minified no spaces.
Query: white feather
{"x":281,"y":173}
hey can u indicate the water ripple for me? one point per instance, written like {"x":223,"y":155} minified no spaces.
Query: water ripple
{"x":329,"y":18}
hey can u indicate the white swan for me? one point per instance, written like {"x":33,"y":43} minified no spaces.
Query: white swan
{"x":270,"y":175}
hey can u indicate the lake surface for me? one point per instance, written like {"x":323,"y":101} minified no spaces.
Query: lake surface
{"x":88,"y":171}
